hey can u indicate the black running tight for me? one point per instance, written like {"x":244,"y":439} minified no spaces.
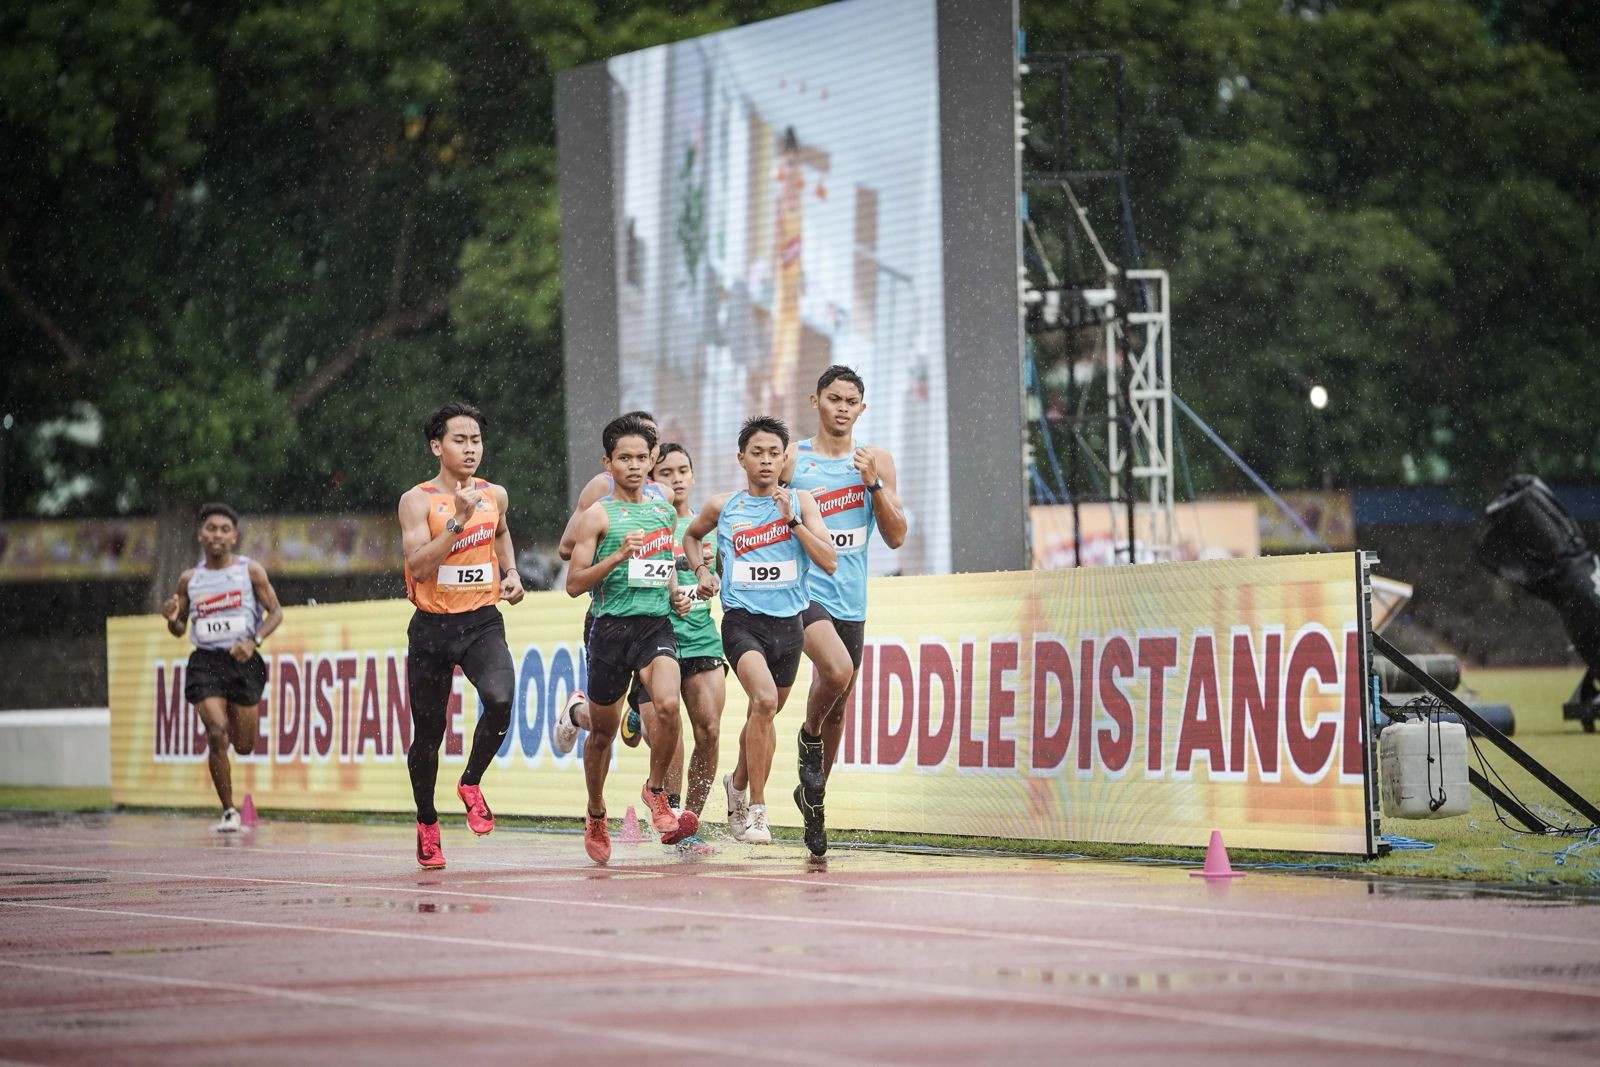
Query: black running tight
{"x":476,"y":641}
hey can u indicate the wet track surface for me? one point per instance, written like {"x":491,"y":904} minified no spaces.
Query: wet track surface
{"x":146,"y":939}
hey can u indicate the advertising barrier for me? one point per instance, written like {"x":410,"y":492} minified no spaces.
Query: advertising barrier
{"x":1146,"y":704}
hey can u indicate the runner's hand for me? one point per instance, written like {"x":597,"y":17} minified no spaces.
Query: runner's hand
{"x":780,"y":496}
{"x":467,"y":499}
{"x":511,"y":590}
{"x":709,"y":584}
{"x":242,"y":650}
{"x":682,"y":603}
{"x":170,"y":606}
{"x":867,"y":465}
{"x":632,"y":541}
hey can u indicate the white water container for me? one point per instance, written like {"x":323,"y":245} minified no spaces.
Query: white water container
{"x":1412,"y":786}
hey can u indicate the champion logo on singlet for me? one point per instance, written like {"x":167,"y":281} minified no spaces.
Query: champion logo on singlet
{"x":836,"y":500}
{"x":655,"y":541}
{"x":472,"y":538}
{"x":233,"y":598}
{"x":770,"y":534}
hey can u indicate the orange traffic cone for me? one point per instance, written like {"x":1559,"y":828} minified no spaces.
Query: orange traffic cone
{"x":247,"y":812}
{"x":1217,"y":865}
{"x":630,"y":834}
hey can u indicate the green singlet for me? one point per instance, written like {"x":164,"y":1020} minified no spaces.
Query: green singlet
{"x":637,"y":586}
{"x":697,"y":631}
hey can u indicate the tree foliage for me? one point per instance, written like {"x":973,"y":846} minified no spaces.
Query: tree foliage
{"x":1396,"y":200}
{"x":261,"y":239}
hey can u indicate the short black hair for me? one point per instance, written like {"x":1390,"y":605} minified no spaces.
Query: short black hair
{"x":434,"y":425}
{"x":645,"y":415}
{"x":627,"y":426}
{"x":840,"y":373}
{"x":669,"y":448}
{"x":216,"y":507}
{"x":762,"y":424}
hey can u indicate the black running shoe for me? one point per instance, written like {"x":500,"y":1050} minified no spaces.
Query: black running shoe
{"x":813,"y":775}
{"x":816,"y":834}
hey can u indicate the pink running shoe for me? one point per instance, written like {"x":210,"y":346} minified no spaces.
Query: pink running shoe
{"x":480,"y":820}
{"x":688,"y":826}
{"x":596,"y":838}
{"x":661,"y":816}
{"x":429,"y":854}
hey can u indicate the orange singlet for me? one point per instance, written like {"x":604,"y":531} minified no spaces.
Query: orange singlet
{"x":468,"y":578}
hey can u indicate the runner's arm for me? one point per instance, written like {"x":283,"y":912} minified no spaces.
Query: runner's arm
{"x":511,"y":590}
{"x":592,"y":491}
{"x":267,"y":597}
{"x":698,"y":527}
{"x":582,"y":577}
{"x":423,"y":552}
{"x":886,"y":506}
{"x":176,"y":608}
{"x":813,"y":534}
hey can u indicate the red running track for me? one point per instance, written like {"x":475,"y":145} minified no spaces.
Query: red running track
{"x":146,"y":939}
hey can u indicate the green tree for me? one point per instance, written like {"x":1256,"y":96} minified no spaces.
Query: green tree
{"x":259,"y":241}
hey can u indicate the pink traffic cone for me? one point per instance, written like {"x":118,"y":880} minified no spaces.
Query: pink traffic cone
{"x":630,"y":834}
{"x":1217,"y":865}
{"x":247,"y":812}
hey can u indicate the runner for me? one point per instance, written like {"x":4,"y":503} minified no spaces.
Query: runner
{"x":459,"y":566}
{"x":855,"y":489}
{"x":228,"y":605}
{"x":767,"y":539}
{"x":594,"y":490}
{"x":627,"y":543}
{"x":701,"y":668}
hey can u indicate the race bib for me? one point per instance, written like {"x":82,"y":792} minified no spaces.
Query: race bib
{"x":850,"y":539}
{"x":469,"y":576}
{"x":650,"y":573}
{"x":773,"y":575}
{"x":226,"y":628}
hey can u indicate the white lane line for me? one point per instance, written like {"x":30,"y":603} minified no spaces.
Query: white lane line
{"x":710,"y":871}
{"x":627,"y":1035}
{"x":1251,"y":959}
{"x":879,"y":983}
{"x":1069,"y":902}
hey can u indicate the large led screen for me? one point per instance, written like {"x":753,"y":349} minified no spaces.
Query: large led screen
{"x":776,"y":208}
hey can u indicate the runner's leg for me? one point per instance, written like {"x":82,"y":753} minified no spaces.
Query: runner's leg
{"x":213,"y":712}
{"x":704,"y":694}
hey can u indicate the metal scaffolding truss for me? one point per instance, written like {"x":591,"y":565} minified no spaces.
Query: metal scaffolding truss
{"x":1138,"y":354}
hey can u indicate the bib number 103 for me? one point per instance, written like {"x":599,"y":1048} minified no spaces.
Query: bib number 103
{"x":765,"y":575}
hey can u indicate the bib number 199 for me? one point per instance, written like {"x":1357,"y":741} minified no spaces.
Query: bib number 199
{"x":765,"y":575}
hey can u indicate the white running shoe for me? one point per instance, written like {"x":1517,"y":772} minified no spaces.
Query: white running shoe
{"x":738,"y":807}
{"x":565,"y":732}
{"x":757,"y":832}
{"x":229,"y":823}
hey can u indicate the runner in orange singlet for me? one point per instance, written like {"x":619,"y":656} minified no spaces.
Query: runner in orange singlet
{"x":459,"y":566}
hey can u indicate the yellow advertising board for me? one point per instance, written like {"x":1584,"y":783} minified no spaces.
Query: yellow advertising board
{"x":1144,"y":704}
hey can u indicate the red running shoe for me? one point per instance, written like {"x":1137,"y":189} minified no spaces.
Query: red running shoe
{"x":596,"y":838}
{"x":480,"y":820}
{"x":661,"y":816}
{"x":688,"y":826}
{"x":429,"y":854}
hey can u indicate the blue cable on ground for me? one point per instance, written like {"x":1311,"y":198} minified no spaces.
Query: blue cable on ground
{"x":1252,"y":475}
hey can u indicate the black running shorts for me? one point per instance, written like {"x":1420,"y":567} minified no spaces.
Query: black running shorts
{"x":619,"y":645}
{"x":851,"y":633}
{"x":214,"y":673}
{"x":779,"y":640}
